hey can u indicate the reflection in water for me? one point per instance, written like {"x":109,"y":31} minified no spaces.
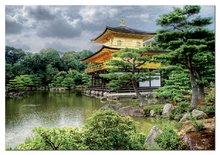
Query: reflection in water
{"x":51,"y":110}
{"x":47,"y":110}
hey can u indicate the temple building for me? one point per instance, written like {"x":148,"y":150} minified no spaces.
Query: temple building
{"x":113,"y":39}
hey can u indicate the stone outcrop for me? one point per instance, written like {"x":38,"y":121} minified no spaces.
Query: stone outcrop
{"x":185,"y":117}
{"x":199,"y":140}
{"x":131,"y":111}
{"x":166,"y":109}
{"x":115,"y":107}
{"x":152,"y":113}
{"x":199,"y":114}
{"x":125,"y":111}
{"x":150,"y":139}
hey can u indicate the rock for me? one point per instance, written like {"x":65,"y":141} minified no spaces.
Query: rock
{"x":105,"y":94}
{"x":103,"y":99}
{"x":185,"y":117}
{"x":111,"y":107}
{"x":166,"y":109}
{"x":100,"y":93}
{"x":150,"y":95}
{"x":199,"y":140}
{"x":202,"y":140}
{"x":150,"y":139}
{"x":199,"y":114}
{"x":131,"y":111}
{"x":152,"y":113}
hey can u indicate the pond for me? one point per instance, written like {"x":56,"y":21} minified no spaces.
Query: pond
{"x":50,"y":110}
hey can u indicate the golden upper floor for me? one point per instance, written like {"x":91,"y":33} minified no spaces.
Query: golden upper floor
{"x":124,"y":37}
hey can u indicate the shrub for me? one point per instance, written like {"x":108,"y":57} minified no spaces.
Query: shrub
{"x":157,"y":108}
{"x":210,"y":97}
{"x":179,"y":110}
{"x":106,"y":130}
{"x":208,"y":109}
{"x":197,"y":125}
{"x":169,"y":140}
{"x":54,"y":139}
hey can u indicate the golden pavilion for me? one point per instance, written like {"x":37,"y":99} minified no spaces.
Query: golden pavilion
{"x":113,"y":39}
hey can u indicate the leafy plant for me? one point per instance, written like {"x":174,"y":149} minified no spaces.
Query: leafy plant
{"x":197,"y":125}
{"x":158,"y":109}
{"x":54,"y":139}
{"x":169,"y":140}
{"x":106,"y":130}
{"x":179,"y":110}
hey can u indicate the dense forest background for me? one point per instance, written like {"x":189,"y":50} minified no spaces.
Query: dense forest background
{"x":46,"y":68}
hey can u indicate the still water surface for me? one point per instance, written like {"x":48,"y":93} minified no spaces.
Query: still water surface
{"x":50,"y":110}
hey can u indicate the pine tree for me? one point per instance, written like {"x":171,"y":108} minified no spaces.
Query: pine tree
{"x":190,"y":43}
{"x":127,"y":69}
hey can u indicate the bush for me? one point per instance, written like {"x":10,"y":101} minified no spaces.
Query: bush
{"x":157,"y":108}
{"x":106,"y":130}
{"x":208,"y":109}
{"x":54,"y":139}
{"x":169,"y":140}
{"x":197,"y":125}
{"x":210,"y":97}
{"x":179,"y":110}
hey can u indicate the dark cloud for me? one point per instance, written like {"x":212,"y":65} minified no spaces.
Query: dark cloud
{"x":12,"y":26}
{"x":41,"y":13}
{"x":58,"y":28}
{"x":70,"y":27}
{"x":18,"y":44}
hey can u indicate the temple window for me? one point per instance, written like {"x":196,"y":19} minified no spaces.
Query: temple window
{"x":119,"y":42}
{"x":138,"y":44}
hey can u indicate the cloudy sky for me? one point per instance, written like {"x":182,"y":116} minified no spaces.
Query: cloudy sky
{"x":70,"y":28}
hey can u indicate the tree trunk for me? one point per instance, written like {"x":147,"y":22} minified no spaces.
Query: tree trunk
{"x":201,"y":94}
{"x":194,"y":100}
{"x":140,"y":97}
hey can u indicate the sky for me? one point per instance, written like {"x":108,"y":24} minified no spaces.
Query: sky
{"x":70,"y":28}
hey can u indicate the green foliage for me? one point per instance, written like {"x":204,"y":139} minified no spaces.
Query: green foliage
{"x":106,"y":130}
{"x":45,"y":65}
{"x":169,"y":140}
{"x":197,"y":125}
{"x":176,"y":87}
{"x":191,"y":45}
{"x":210,"y":97}
{"x":69,"y":79}
{"x":126,"y":69}
{"x":23,"y":82}
{"x":54,"y":139}
{"x":179,"y":110}
{"x":157,"y":108}
{"x":13,"y":55}
{"x":208,"y":109}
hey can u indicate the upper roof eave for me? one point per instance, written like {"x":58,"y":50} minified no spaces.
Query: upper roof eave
{"x":123,"y":29}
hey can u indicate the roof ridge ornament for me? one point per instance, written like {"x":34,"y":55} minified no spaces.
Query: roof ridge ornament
{"x":122,"y":23}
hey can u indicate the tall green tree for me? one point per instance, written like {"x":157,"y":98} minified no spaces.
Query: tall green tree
{"x":12,"y":55}
{"x":126,"y":68}
{"x":176,"y":87}
{"x":190,"y":44}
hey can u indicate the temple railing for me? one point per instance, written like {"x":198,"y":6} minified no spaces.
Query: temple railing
{"x":96,"y":68}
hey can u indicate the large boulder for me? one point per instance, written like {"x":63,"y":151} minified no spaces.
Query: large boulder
{"x":199,"y":114}
{"x":111,"y":107}
{"x":167,"y":109}
{"x":150,"y":139}
{"x":131,"y":111}
{"x":152,"y":113}
{"x":185,"y":117}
